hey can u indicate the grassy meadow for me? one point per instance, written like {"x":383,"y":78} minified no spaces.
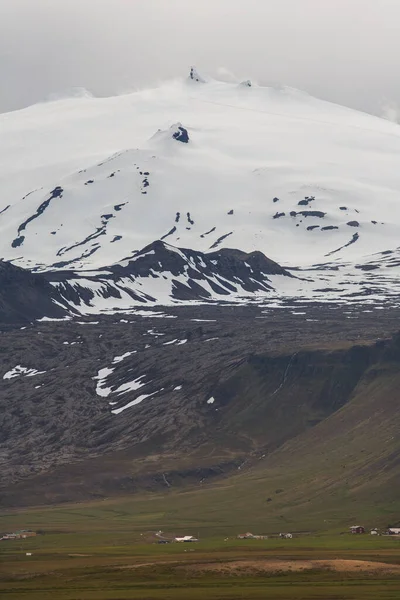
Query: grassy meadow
{"x":107,"y":550}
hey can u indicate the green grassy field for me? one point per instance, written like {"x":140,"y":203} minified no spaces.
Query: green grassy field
{"x":104,"y":566}
{"x":107,"y":551}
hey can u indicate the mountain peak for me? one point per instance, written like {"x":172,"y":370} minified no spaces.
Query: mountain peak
{"x":181,"y":134}
{"x":176,"y":132}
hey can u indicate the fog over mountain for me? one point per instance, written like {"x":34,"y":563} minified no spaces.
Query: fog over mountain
{"x":345,"y":51}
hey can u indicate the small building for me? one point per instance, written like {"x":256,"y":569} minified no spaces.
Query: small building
{"x":18,"y":535}
{"x":246,"y":536}
{"x":251,"y":536}
{"x":374,"y":532}
{"x":186,"y":538}
{"x":394,"y":531}
{"x":357,"y":529}
{"x":9,"y":536}
{"x":25,"y":533}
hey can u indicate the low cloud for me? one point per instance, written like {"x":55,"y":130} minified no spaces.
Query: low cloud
{"x":345,"y":51}
{"x":391,"y":112}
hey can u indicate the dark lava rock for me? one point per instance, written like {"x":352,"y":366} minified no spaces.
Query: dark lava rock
{"x":306,"y":201}
{"x":275,"y":200}
{"x":353,"y":224}
{"x":181,"y":135}
{"x":367,"y":267}
{"x":56,"y":193}
{"x":278,"y":215}
{"x":308,"y":213}
{"x":312,"y":213}
{"x":329,"y":228}
{"x":25,"y":297}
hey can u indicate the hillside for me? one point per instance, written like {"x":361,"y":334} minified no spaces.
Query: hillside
{"x":187,"y":398}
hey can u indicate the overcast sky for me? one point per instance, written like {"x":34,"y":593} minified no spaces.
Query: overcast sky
{"x":347,"y":51}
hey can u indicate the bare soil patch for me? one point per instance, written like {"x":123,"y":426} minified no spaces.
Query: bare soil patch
{"x":273,"y":566}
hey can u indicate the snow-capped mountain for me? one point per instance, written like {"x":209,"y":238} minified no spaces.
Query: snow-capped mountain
{"x":202,"y":165}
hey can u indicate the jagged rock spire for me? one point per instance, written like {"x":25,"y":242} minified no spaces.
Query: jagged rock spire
{"x":194,"y":75}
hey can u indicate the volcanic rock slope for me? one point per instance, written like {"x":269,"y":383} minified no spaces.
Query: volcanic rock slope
{"x":87,"y":183}
{"x":164,"y":398}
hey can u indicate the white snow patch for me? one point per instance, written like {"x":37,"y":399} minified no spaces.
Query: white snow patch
{"x":211,"y":400}
{"x":138,"y":400}
{"x":204,"y":320}
{"x":101,"y":378}
{"x":19,"y":371}
{"x":44,"y":319}
{"x":130,"y":386}
{"x":118,"y":359}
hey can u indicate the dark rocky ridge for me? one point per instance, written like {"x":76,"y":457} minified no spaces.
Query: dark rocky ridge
{"x":226,"y":262}
{"x":225,"y":271}
{"x":25,"y":297}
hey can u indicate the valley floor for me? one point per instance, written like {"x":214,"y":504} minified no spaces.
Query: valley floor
{"x":118,"y":566}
